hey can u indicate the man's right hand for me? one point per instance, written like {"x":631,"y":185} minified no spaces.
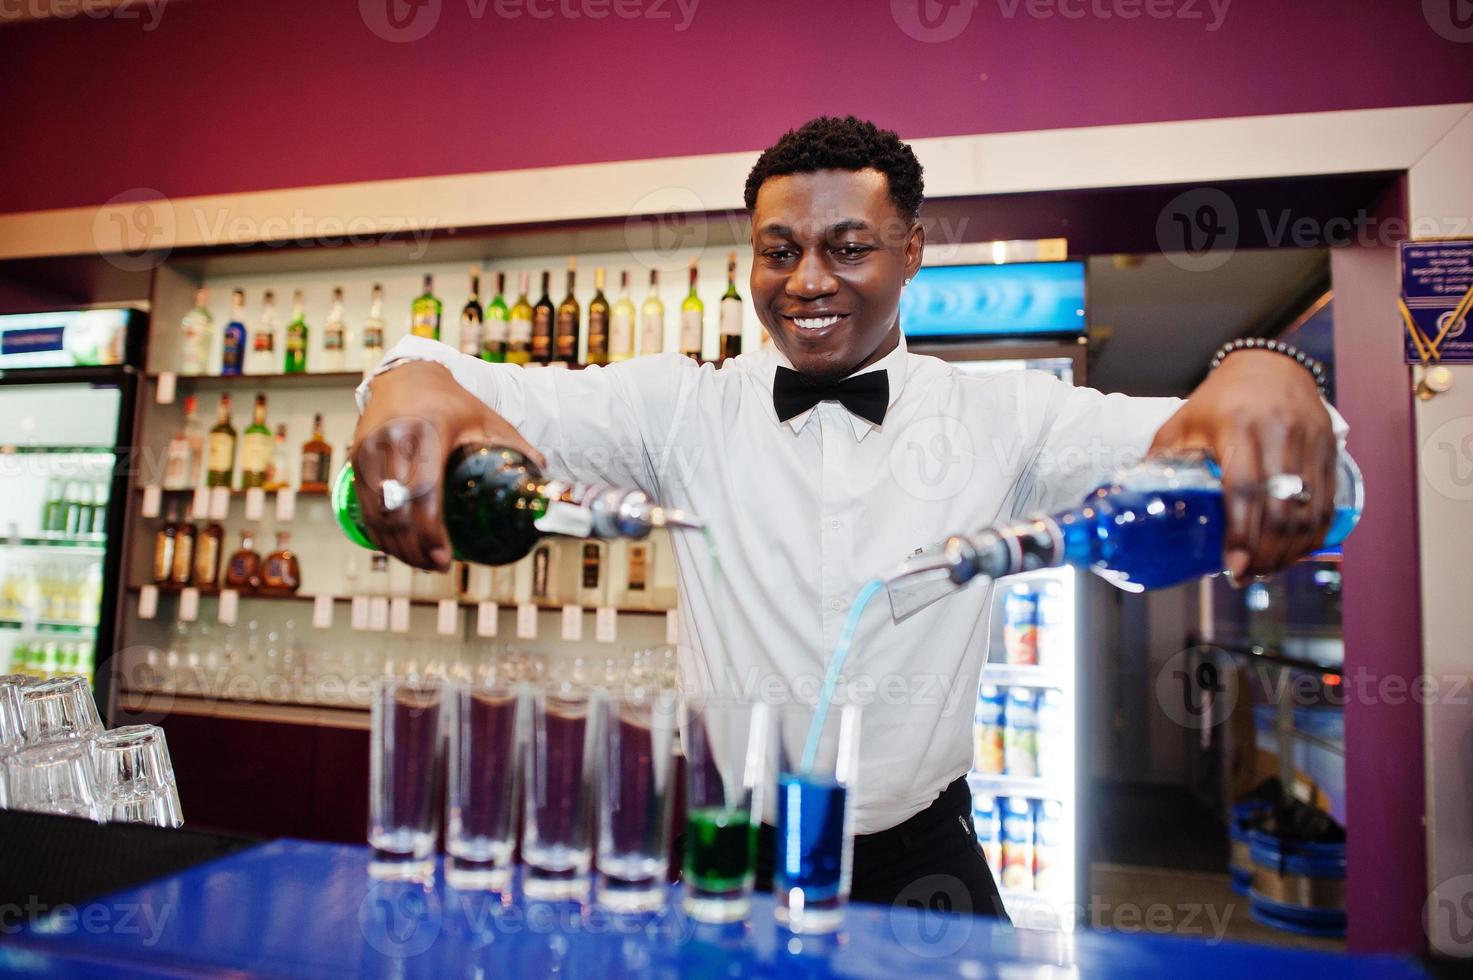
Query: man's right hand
{"x":416,"y":416}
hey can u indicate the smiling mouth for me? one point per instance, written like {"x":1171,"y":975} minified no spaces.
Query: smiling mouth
{"x":815,"y":323}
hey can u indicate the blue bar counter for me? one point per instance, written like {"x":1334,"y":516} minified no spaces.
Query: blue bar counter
{"x":306,"y":909}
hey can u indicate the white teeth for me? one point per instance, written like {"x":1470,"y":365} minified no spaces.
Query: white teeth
{"x":815,"y":323}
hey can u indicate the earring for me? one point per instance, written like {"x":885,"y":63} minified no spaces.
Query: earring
{"x":907,"y":280}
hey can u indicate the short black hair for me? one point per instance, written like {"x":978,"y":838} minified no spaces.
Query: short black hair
{"x":831,"y":143}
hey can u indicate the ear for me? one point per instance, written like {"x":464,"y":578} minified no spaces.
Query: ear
{"x":915,"y":247}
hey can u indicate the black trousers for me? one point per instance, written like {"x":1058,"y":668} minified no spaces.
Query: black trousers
{"x":930,"y":861}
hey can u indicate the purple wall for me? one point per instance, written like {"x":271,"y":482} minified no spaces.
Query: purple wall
{"x":275,"y":93}
{"x":1385,"y":798}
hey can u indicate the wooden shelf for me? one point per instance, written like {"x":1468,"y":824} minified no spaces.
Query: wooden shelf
{"x":168,"y":589}
{"x":233,"y":491}
{"x":223,"y":382}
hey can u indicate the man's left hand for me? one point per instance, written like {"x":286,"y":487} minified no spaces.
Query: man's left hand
{"x":1260,"y":414}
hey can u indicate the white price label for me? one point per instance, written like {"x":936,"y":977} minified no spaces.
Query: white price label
{"x":199,"y":507}
{"x":672,"y":628}
{"x":486,"y":615}
{"x":358,"y":613}
{"x":229,"y":606}
{"x":148,"y":602}
{"x":606,"y":624}
{"x":526,"y":621}
{"x":399,"y":615}
{"x":168,"y":383}
{"x":322,"y":612}
{"x":255,"y":504}
{"x":153,"y":499}
{"x":447,"y":620}
{"x":219,"y":503}
{"x":378,"y":613}
{"x":189,"y":605}
{"x":286,"y":504}
{"x":572,"y":622}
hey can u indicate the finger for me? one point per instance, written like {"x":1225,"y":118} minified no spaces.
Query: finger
{"x":1288,"y":521}
{"x":508,"y":438}
{"x":1242,"y":498}
{"x":1327,"y":454}
{"x":409,"y":451}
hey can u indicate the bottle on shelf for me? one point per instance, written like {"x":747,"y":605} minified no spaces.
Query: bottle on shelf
{"x":165,"y":540}
{"x":497,"y":505}
{"x":186,"y":450}
{"x":209,"y":549}
{"x":425,"y":312}
{"x":373,"y":330}
{"x":640,"y":574}
{"x":1155,"y":524}
{"x":544,"y":572}
{"x":519,"y":325}
{"x":473,"y":319}
{"x":243,"y":572}
{"x":652,"y":319}
{"x":621,"y":323}
{"x":233,"y":351}
{"x":378,"y":575}
{"x":692,"y":319}
{"x":568,"y":325}
{"x":316,"y":460}
{"x":542,"y":316}
{"x":197,"y":335}
{"x":493,"y":347}
{"x":280,"y":573}
{"x":598,"y":321}
{"x":183,"y":568}
{"x":53,"y":507}
{"x":278,"y":474}
{"x":731,"y":314}
{"x":255,"y":448}
{"x":296,"y":338}
{"x":335,"y":336}
{"x":591,"y":572}
{"x":263,"y":341}
{"x":220,"y":465}
{"x":100,"y":495}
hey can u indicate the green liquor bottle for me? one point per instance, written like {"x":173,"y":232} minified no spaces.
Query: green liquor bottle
{"x":730,"y":338}
{"x":519,"y":326}
{"x":426,"y":311}
{"x":296,"y":338}
{"x":493,"y":345}
{"x":565,"y":335}
{"x":221,"y":452}
{"x":692,"y":319}
{"x":497,"y":505}
{"x":598,"y":322}
{"x":542,"y":315}
{"x":255,"y":448}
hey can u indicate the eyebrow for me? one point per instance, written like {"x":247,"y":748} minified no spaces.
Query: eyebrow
{"x":837,"y":228}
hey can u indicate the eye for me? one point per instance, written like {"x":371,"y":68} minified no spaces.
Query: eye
{"x":853,"y":250}
{"x":778,"y":254}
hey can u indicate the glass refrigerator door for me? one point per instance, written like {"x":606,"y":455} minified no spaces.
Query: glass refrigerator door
{"x":57,"y":449}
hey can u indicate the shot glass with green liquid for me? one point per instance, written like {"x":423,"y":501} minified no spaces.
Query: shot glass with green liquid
{"x":727,"y":772}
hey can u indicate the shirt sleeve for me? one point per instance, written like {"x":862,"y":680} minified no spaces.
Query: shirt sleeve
{"x":600,"y":423}
{"x":1080,"y":435}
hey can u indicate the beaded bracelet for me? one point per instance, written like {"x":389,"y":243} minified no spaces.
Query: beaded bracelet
{"x":1314,"y":367}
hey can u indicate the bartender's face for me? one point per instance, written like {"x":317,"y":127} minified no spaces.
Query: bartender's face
{"x":830,"y":256}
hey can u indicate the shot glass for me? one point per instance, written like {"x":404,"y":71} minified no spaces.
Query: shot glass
{"x":406,"y":735}
{"x":637,"y":771}
{"x":59,"y":708}
{"x":817,"y":762}
{"x":727,"y":770}
{"x":480,"y":800}
{"x":135,"y":779}
{"x":12,"y":735}
{"x":560,"y":755}
{"x":53,"y":777}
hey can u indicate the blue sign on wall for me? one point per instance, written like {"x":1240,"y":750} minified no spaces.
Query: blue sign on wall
{"x":1435,"y":276}
{"x":1022,"y":299}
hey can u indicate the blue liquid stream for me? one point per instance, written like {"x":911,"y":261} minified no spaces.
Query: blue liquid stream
{"x":836,"y":667}
{"x":810,"y":836}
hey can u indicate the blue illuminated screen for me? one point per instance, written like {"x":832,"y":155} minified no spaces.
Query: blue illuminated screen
{"x":1009,"y":300}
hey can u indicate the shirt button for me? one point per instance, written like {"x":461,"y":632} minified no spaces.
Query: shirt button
{"x":836,"y":604}
{"x":834,"y":524}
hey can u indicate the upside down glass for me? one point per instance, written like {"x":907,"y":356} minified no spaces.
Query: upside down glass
{"x":561,"y":749}
{"x":135,"y":779}
{"x":59,"y":708}
{"x":726,"y":746}
{"x":637,"y":767}
{"x":53,"y":777}
{"x":817,"y":766}
{"x":480,"y":801}
{"x":406,"y":734}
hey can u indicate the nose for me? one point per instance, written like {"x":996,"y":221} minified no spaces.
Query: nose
{"x":811,"y":277}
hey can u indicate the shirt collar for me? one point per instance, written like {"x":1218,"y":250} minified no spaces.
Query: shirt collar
{"x":893,"y":364}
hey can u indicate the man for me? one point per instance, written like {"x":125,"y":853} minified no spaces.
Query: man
{"x":811,"y":488}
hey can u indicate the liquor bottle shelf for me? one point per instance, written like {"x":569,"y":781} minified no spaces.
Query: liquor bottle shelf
{"x":306,"y":379}
{"x":234,"y":492}
{"x":1019,"y":675}
{"x":48,"y":626}
{"x":13,"y":450}
{"x":86,"y":544}
{"x":170,"y":589}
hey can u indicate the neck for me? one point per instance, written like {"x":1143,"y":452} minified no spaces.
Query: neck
{"x":891,"y":341}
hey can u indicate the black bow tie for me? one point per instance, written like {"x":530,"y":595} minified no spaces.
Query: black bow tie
{"x":866,"y":395}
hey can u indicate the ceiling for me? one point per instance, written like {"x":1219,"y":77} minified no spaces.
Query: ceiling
{"x":1155,"y":324}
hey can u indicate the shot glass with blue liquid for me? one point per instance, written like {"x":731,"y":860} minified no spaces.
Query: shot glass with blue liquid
{"x":817,"y":766}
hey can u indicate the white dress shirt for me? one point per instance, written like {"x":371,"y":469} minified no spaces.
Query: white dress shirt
{"x":804,"y":512}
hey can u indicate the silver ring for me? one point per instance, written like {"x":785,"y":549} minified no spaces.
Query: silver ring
{"x":1288,"y":487}
{"x":395,"y":495}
